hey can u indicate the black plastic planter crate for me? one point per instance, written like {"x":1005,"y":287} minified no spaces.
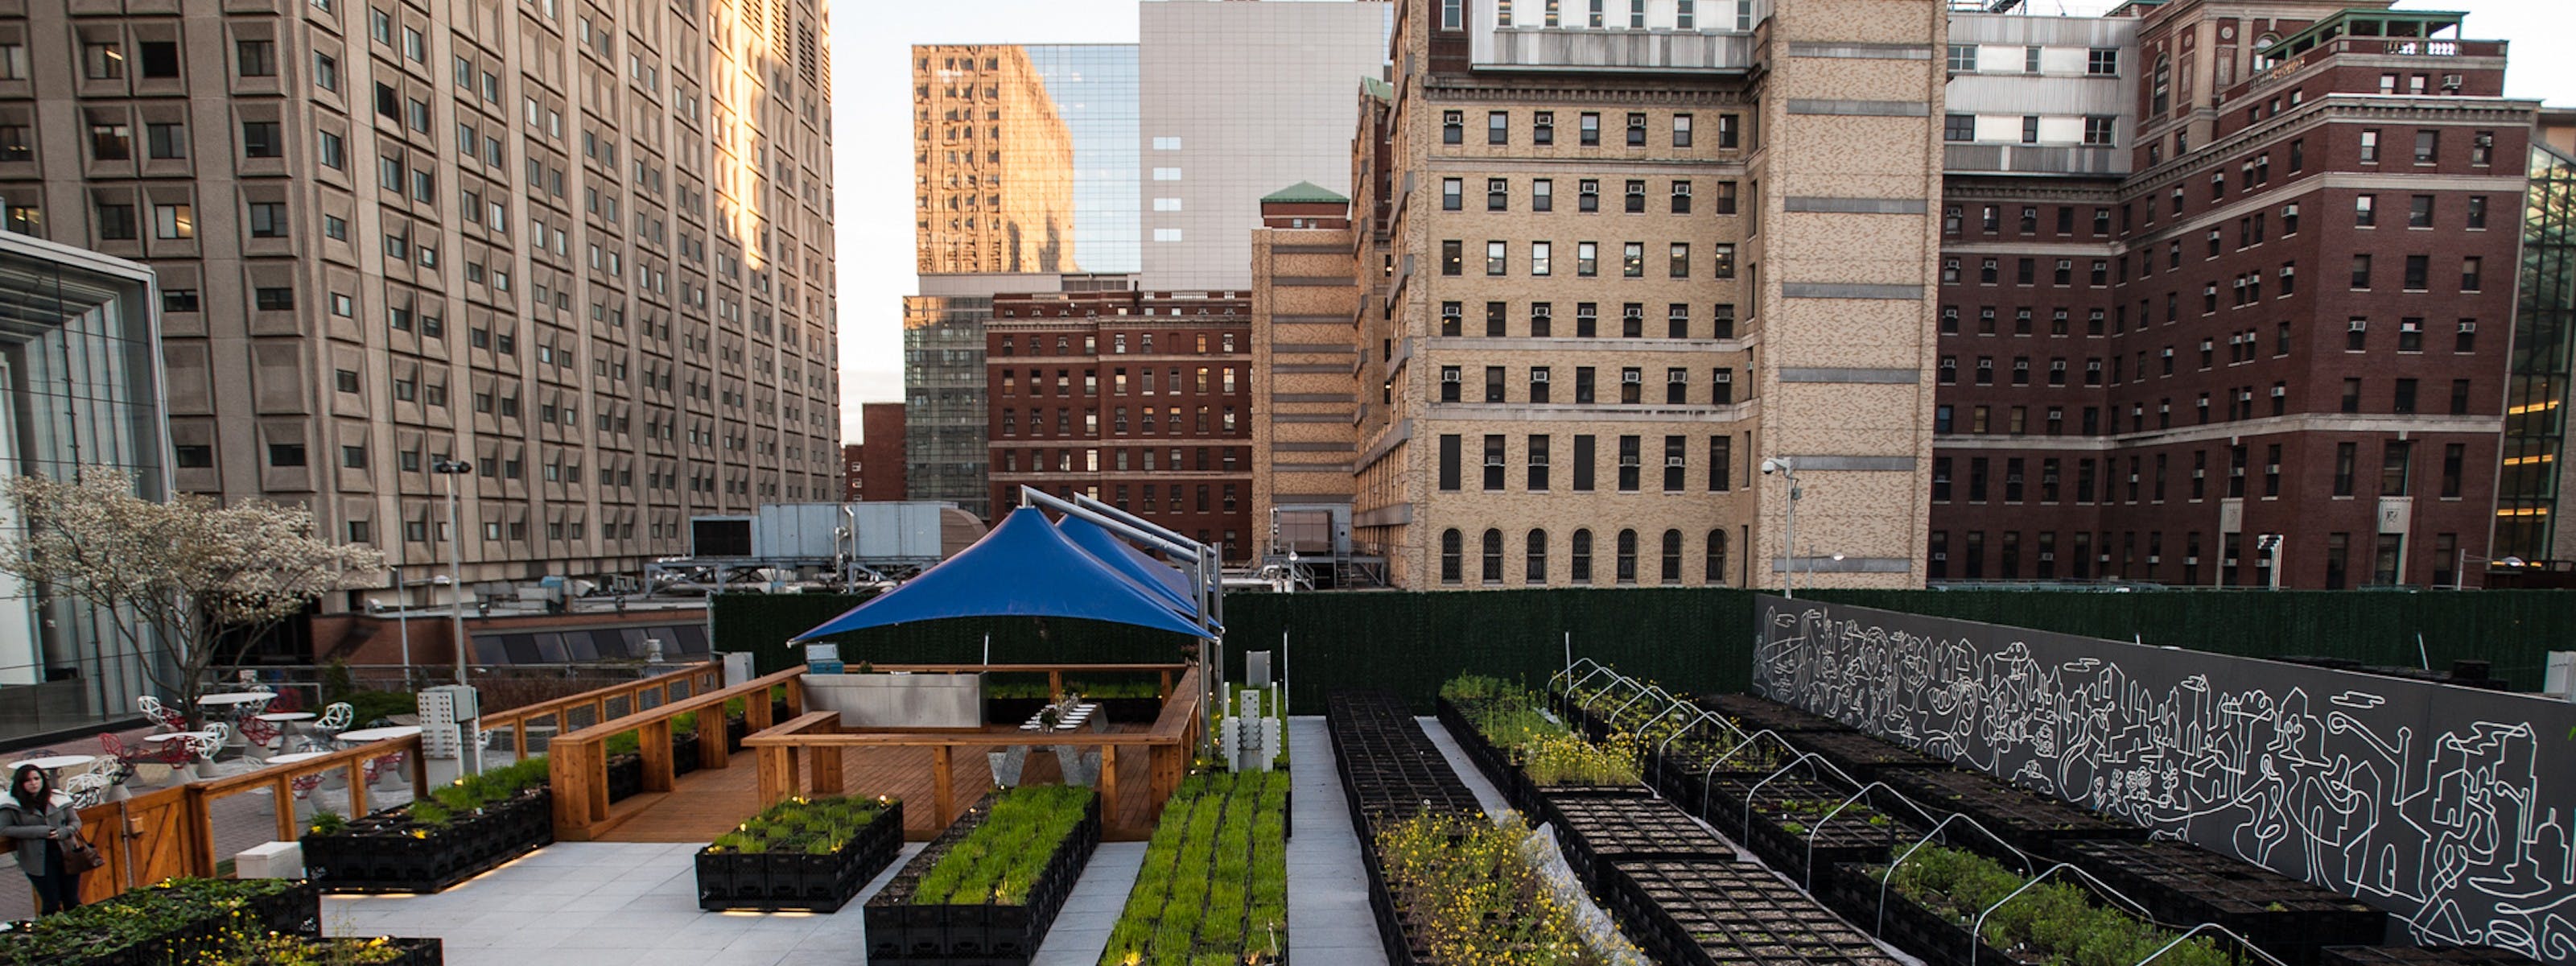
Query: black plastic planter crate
{"x":1711,"y":912}
{"x":1790,"y":830}
{"x":2423,"y":956}
{"x":2029,"y":821}
{"x":1860,"y":756}
{"x":2183,"y":884}
{"x":812,"y":883}
{"x":1595,"y":829}
{"x":1757,"y":713}
{"x":900,"y":931}
{"x":379,"y":853}
{"x":1905,"y":923}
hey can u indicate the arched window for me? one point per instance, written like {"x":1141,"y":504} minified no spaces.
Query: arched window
{"x":1581,"y":561}
{"x":1452,"y":546}
{"x":2162,"y":86}
{"x":1627,"y":556}
{"x":1717,"y":557}
{"x":1493,"y":571}
{"x":1672,"y":556}
{"x":1537,"y":571}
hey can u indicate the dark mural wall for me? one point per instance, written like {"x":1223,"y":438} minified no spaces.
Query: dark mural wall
{"x":2448,"y":806}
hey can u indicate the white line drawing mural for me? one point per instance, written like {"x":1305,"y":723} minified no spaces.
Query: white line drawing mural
{"x":2450,"y":807}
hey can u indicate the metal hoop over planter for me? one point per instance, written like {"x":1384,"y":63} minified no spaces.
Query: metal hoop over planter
{"x":1837,"y":810}
{"x":2195,"y":930}
{"x":1880,"y":926}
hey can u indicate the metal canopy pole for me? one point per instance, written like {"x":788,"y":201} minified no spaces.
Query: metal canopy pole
{"x":1207,"y":592}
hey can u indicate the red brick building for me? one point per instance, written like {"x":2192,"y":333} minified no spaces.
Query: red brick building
{"x":875,"y":463}
{"x":1139,"y":399}
{"x":2290,"y":314}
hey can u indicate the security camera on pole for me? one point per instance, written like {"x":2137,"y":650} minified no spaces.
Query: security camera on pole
{"x":1789,"y":528}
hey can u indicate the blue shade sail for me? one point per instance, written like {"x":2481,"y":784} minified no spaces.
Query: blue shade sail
{"x":1024,"y":568}
{"x":1164,"y":580}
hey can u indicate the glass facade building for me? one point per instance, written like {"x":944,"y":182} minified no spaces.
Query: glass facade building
{"x":1025,"y":158}
{"x":944,"y":398}
{"x":2544,"y":338}
{"x":80,"y":388}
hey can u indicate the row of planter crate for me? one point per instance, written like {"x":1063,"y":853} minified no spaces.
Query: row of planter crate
{"x":1806,"y":817}
{"x":1675,"y":887}
{"x":1448,"y":886}
{"x":810,"y":855}
{"x":203,"y":922}
{"x":985,"y":892}
{"x":453,"y":834}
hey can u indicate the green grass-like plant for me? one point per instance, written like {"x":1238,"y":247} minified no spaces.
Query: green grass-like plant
{"x":2055,"y":922}
{"x":998,"y":861}
{"x":1508,"y":715}
{"x":813,"y":826}
{"x":1215,"y":883}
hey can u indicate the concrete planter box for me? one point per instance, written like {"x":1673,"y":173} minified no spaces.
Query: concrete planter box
{"x":899,"y":700}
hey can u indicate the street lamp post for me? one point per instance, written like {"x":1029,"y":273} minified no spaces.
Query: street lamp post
{"x":1789,"y":528}
{"x":455,"y":559}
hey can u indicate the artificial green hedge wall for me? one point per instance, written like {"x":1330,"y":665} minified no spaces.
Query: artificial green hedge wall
{"x":1696,"y":639}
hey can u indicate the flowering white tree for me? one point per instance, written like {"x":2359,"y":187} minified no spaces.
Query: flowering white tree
{"x":189,"y":580}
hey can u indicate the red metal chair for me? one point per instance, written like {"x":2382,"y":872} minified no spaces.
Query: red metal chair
{"x":168,"y":754}
{"x":381,"y":766}
{"x":260,"y":734}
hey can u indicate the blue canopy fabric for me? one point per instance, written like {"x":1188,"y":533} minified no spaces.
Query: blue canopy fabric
{"x":1163,"y":579}
{"x":1024,"y":568}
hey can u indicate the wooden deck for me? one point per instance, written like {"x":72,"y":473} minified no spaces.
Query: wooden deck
{"x":704,"y":804}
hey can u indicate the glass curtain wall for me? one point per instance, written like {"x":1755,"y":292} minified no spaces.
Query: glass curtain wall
{"x":80,"y":389}
{"x":2535,"y":424}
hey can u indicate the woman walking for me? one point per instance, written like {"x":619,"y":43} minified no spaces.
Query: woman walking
{"x":43,"y":824}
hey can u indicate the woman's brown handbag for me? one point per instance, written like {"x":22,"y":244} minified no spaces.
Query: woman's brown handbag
{"x":79,"y":856}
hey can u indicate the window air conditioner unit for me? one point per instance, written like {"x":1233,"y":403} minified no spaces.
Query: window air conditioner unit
{"x":2359,"y":325}
{"x":1627,"y":461}
{"x":2046,"y":556}
{"x":2191,"y":561}
{"x":2409,"y":327}
{"x":1493,"y":461}
{"x":2450,"y":82}
{"x":1939,"y":556}
{"x":1677,"y":376}
{"x":1448,"y":377}
{"x":2467,"y":326}
{"x":2154,"y":559}
{"x":1672,"y":461}
{"x":1725,"y":377}
{"x":2280,"y":391}
{"x":1538,"y":375}
{"x":1632,"y":377}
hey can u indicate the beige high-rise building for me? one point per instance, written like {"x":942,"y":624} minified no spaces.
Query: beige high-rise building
{"x":1635,"y":252}
{"x":586,"y":248}
{"x":1305,"y":295}
{"x":993,"y":167}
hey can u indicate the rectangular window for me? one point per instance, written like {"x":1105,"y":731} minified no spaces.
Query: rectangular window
{"x":1629,"y":469}
{"x":1677,"y":262}
{"x":1449,"y":457}
{"x":255,"y":58}
{"x":1493,"y":476}
{"x":1958,"y":128}
{"x":1498,"y":127}
{"x":1538,"y":463}
{"x":1583,"y":463}
{"x":173,"y":222}
{"x":260,"y":139}
{"x":2345,"y":453}
{"x":1542,"y":195}
{"x":1497,"y":257}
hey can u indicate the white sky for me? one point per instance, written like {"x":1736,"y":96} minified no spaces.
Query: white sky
{"x":871,"y":127}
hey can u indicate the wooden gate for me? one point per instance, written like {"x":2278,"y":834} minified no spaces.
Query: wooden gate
{"x":145,"y":839}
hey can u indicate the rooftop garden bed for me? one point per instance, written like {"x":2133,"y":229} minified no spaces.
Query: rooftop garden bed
{"x":1215,"y":882}
{"x":457,"y":832}
{"x":175,"y":921}
{"x":990,"y":886}
{"x":805,"y":854}
{"x":1935,"y":897}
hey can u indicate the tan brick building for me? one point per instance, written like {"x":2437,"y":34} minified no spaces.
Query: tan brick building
{"x":585,"y":247}
{"x":1305,"y":295}
{"x":1628,"y":256}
